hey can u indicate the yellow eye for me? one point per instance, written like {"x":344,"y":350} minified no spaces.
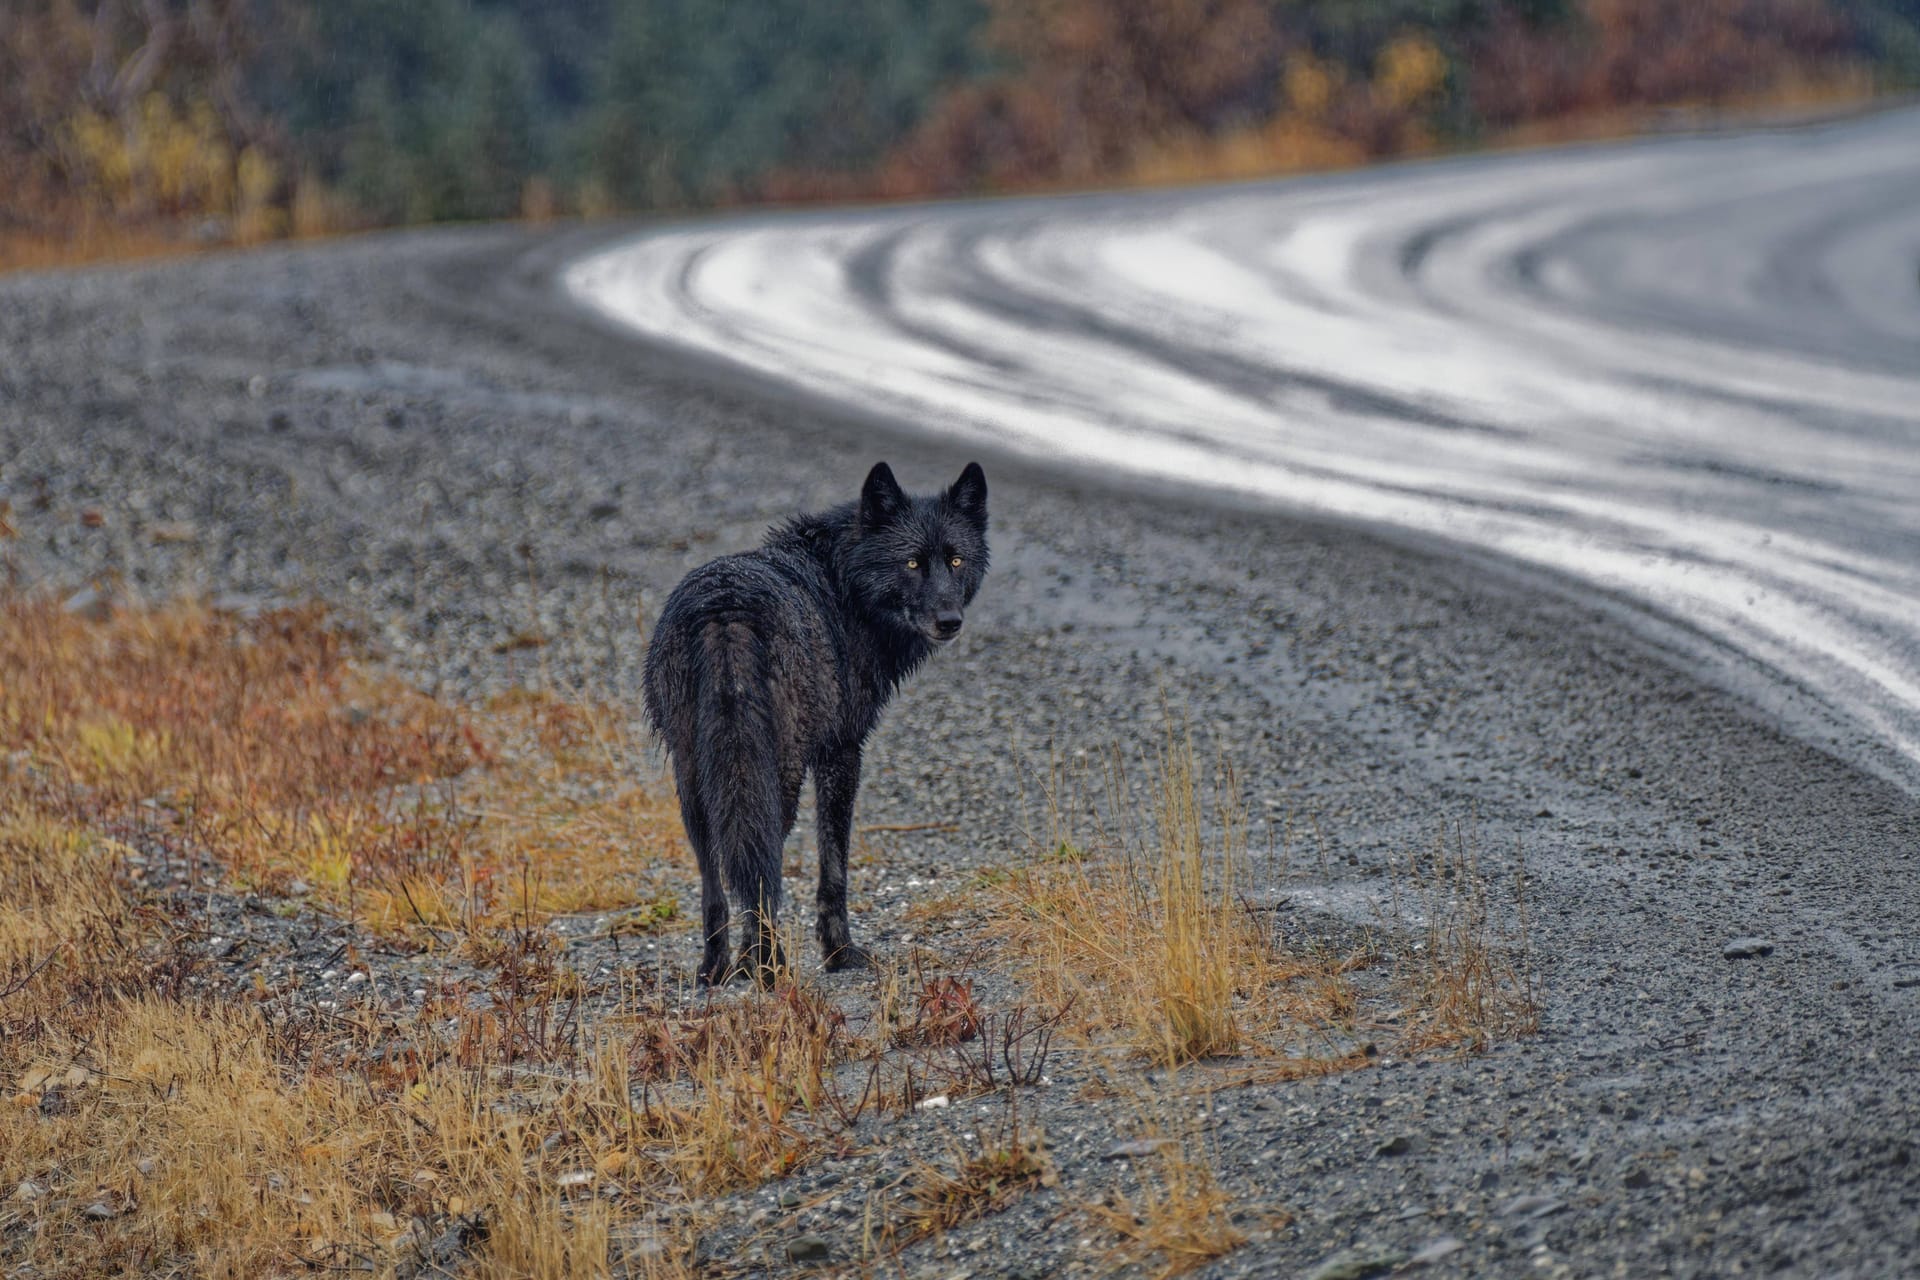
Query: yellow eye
{"x":913,"y":564}
{"x":955,"y":562}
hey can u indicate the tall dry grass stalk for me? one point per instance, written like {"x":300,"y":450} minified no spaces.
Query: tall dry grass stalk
{"x":1178,"y":1217}
{"x":1140,"y":920}
{"x":1470,"y":979}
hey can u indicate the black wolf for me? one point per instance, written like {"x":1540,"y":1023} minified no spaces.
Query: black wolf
{"x":776,"y":661}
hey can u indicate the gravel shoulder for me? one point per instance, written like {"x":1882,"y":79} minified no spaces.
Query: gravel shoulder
{"x":416,"y":427}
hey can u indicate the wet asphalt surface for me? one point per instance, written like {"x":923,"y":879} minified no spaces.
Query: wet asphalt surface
{"x":1682,"y":369}
{"x":418,"y":428}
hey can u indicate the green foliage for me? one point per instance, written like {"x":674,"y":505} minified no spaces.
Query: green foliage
{"x":446,"y":108}
{"x":697,"y":101}
{"x":420,"y":112}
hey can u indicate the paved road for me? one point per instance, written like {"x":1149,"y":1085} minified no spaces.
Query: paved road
{"x":1684,"y":372}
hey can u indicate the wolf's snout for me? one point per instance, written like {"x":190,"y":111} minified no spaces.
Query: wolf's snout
{"x":946,"y":624}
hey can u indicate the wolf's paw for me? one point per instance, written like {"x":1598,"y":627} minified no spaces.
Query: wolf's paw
{"x":848,"y":957}
{"x":716,"y":970}
{"x":763,"y":968}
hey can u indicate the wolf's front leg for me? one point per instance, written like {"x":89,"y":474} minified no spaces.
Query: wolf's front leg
{"x":835,"y":783}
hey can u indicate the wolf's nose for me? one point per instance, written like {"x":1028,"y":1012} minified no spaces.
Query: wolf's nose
{"x":947,"y":624}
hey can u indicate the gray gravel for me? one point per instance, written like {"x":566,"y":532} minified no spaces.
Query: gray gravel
{"x":414,"y":426}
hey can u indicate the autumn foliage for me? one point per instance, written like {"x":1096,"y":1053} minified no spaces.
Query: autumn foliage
{"x":130,"y":125}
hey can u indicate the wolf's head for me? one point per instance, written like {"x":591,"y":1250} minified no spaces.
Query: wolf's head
{"x":919,"y":558}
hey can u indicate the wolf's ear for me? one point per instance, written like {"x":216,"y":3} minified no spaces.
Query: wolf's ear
{"x":881,"y":498}
{"x":968,"y":495}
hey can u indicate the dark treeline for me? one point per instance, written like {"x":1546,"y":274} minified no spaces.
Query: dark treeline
{"x":255,"y":118}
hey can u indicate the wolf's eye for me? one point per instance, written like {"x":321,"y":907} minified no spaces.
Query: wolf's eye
{"x":955,"y":562}
{"x":913,"y":564}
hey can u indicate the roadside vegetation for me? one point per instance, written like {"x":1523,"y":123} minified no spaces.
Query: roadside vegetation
{"x":139,"y":126}
{"x":302,"y":969}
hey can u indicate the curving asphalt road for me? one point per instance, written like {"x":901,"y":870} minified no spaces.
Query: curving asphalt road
{"x":1685,"y":372}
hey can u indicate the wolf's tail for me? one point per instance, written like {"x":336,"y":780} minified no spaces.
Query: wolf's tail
{"x":736,"y":742}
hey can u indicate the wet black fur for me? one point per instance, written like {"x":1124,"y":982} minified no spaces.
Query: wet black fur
{"x":773,"y":662}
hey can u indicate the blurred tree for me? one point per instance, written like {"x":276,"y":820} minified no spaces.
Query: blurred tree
{"x":263,"y":115}
{"x":697,"y":101}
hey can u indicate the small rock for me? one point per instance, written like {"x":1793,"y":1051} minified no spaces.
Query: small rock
{"x":808,"y":1249}
{"x":1636,"y":1178}
{"x":99,"y":1210}
{"x":935,"y":1103}
{"x":462,"y":1233}
{"x":1402,"y":1144}
{"x":1434,"y":1250}
{"x":1137,"y":1148}
{"x":1531,"y":1206}
{"x":29,"y":1191}
{"x":576,"y":1178}
{"x":257,"y":387}
{"x":220,"y":948}
{"x":790,"y":1200}
{"x":173,"y":532}
{"x":356,"y":976}
{"x":1356,"y":1263}
{"x":1747,"y":948}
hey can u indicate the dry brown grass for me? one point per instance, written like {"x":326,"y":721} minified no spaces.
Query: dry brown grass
{"x":180,"y":1134}
{"x":1142,"y":926}
{"x":158,"y":1123}
{"x":522,"y":1120}
{"x":1469,"y":980}
{"x":1006,"y":1167}
{"x":90,"y":241}
{"x":163,"y":1121}
{"x":271,"y":744}
{"x":1179,"y":1216}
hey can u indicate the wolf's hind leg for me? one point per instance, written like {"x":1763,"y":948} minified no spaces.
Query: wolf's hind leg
{"x":713,"y":889}
{"x":835,"y":782}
